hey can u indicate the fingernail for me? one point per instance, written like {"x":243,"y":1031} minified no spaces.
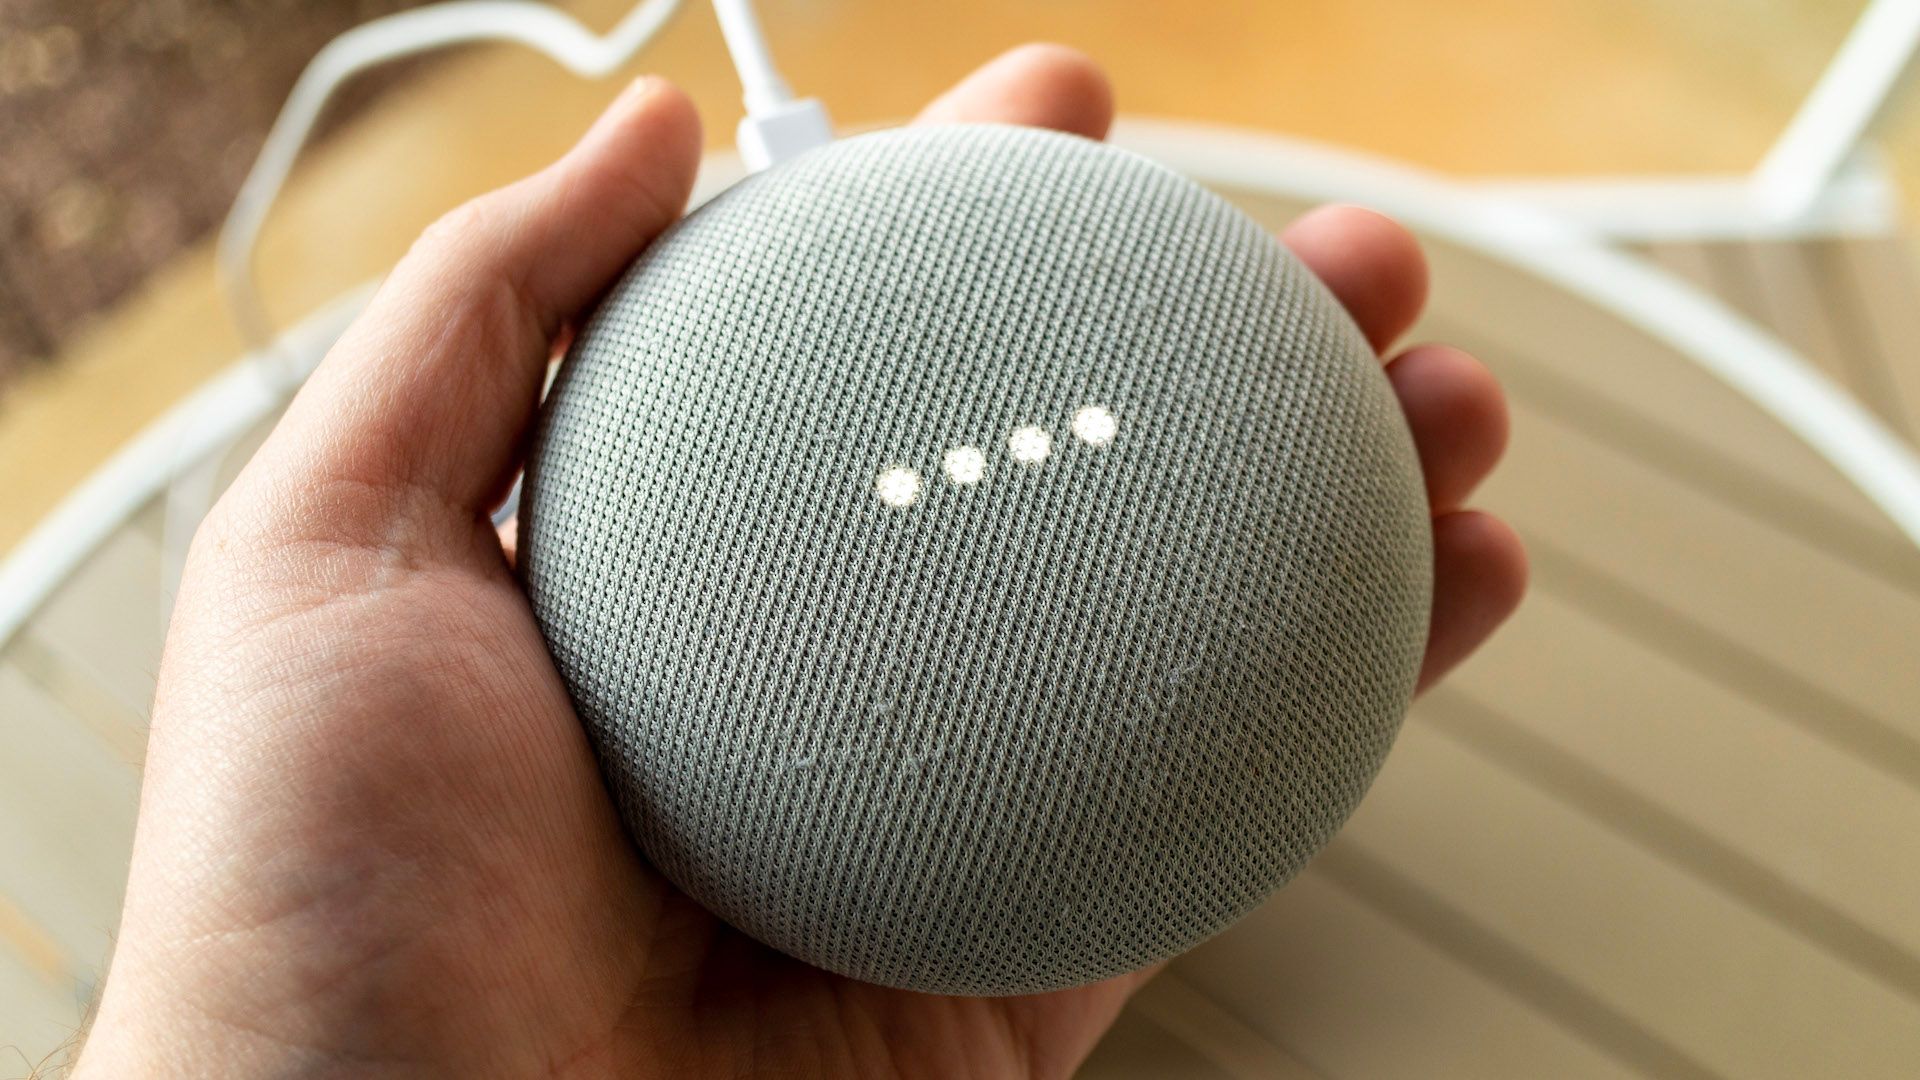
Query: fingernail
{"x":642,"y":87}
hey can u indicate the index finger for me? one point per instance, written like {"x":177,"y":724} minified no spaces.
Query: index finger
{"x":1372,"y":264}
{"x":419,"y":408}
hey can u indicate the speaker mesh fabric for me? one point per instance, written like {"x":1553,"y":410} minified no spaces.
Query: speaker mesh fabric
{"x":1021,"y":734}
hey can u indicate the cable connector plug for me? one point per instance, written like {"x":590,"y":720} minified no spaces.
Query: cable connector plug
{"x":775,"y":133}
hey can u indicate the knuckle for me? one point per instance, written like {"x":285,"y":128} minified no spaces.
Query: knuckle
{"x":466,"y":229}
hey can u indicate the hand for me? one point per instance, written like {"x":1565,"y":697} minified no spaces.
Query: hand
{"x":373,"y":838}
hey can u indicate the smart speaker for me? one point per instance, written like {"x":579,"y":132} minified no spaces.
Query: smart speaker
{"x":985,"y":561}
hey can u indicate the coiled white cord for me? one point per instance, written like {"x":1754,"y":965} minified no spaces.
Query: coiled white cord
{"x":776,"y":126}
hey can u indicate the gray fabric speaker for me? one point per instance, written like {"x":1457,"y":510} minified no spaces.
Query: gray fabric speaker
{"x":985,"y":561}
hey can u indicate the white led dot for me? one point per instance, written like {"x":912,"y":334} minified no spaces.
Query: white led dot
{"x":965,"y":465}
{"x":1095,"y":425}
{"x":1030,"y":445}
{"x":898,"y":486}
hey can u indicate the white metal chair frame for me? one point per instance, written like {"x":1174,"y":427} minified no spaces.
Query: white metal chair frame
{"x":1818,"y":178}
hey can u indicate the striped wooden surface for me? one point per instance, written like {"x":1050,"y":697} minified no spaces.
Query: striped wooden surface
{"x":1662,"y":826}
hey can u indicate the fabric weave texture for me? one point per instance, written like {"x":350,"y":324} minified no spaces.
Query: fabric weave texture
{"x":1021,"y":733}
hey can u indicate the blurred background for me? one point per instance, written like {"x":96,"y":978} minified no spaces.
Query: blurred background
{"x":1663,"y":826}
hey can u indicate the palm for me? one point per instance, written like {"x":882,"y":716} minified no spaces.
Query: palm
{"x":500,"y":917}
{"x":373,"y":835}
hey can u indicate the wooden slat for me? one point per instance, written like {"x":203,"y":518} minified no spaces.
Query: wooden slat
{"x":81,"y":698}
{"x":37,"y":1021}
{"x":39,"y":1007}
{"x":1733,"y":279}
{"x":1612,"y":362}
{"x":1793,"y":305}
{"x":1353,"y":993}
{"x":104,"y":623}
{"x":66,"y":824}
{"x":1172,"y":1029}
{"x":1664,"y":966}
{"x":1137,"y":1048}
{"x":1764,"y":609}
{"x":1692,"y":459}
{"x":1690,"y":262}
{"x":1875,"y":282}
{"x":1723,"y":787}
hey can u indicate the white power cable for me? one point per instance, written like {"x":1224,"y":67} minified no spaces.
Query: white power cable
{"x":776,"y":126}
{"x":409,"y":33}
{"x":759,"y":79}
